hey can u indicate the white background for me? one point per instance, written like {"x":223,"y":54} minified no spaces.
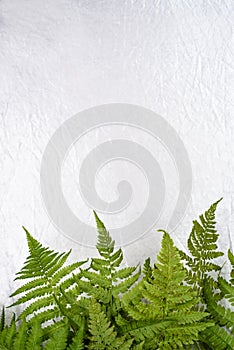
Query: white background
{"x":59,"y":57}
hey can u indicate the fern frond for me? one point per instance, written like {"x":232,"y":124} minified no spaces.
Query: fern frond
{"x":227,"y":289}
{"x":50,"y":330}
{"x":24,"y":338}
{"x":78,"y":339}
{"x":105,"y":244}
{"x":223,"y":316}
{"x":164,"y":300}
{"x":217,"y":338}
{"x":21,"y":336}
{"x":34,"y":339}
{"x":7,"y":333}
{"x":46,"y":273}
{"x":58,"y":341}
{"x":105,"y":306}
{"x":104,"y":279}
{"x":181,"y":335}
{"x":166,"y":289}
{"x":103,"y":335}
{"x":202,"y":245}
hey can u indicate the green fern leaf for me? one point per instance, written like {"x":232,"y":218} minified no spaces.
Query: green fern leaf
{"x":202,"y":245}
{"x":166,"y":302}
{"x":78,"y":339}
{"x":217,"y":338}
{"x":7,"y":333}
{"x":59,"y":340}
{"x":46,"y":272}
{"x":221,"y":315}
{"x":104,"y":280}
{"x":103,"y":335}
{"x":34,"y":339}
{"x":227,"y":289}
{"x":20,"y":338}
{"x":105,"y":244}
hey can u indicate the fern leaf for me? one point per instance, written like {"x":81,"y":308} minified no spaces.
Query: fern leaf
{"x":33,"y":294}
{"x":202,"y":245}
{"x":217,"y":338}
{"x":78,"y":339}
{"x":104,"y":279}
{"x":20,"y":338}
{"x":103,"y":335}
{"x":189,"y":317}
{"x":165,"y":301}
{"x":227,"y":289}
{"x":222,"y":316}
{"x":59,"y":340}
{"x":46,"y":273}
{"x":9,"y":336}
{"x":50,"y":331}
{"x":7,"y":333}
{"x":34,"y":339}
{"x":105,"y":244}
{"x":181,"y":335}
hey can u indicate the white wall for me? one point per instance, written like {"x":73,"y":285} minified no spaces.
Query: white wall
{"x":59,"y":57}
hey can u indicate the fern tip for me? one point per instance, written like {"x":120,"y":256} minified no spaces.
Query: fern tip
{"x":96,"y":216}
{"x":26,"y":231}
{"x":161,"y":230}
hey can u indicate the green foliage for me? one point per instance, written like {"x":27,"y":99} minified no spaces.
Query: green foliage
{"x":25,"y":337}
{"x":58,"y":341}
{"x":104,"y":280}
{"x":166,"y":302}
{"x":182,"y":301}
{"x":223,"y":315}
{"x":46,"y":273}
{"x":103,"y":335}
{"x":204,"y":276}
{"x":227,"y":288}
{"x":203,"y":249}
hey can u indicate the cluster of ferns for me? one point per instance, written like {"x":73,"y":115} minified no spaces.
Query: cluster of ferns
{"x":180,"y":301}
